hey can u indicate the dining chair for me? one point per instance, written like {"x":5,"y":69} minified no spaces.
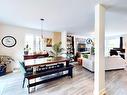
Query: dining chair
{"x":25,"y":71}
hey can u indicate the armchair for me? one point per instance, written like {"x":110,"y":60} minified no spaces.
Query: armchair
{"x":5,"y":63}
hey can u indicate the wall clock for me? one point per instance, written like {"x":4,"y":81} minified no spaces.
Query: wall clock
{"x":9,"y":41}
{"x":89,"y":41}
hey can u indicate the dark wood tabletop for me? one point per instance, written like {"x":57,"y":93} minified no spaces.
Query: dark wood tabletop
{"x":45,"y":61}
{"x":35,"y":56}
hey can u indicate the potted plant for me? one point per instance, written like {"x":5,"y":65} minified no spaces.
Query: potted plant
{"x":92,"y":50}
{"x":26,"y":49}
{"x":57,"y":50}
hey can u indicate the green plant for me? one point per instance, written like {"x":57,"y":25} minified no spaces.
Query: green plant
{"x":26,"y":49}
{"x":85,"y":55}
{"x":57,"y":50}
{"x":92,"y":50}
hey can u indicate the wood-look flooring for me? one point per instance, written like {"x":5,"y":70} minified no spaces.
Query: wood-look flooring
{"x":116,"y":82}
{"x":81,"y":84}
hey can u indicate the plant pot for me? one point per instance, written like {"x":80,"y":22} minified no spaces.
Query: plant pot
{"x":26,"y":52}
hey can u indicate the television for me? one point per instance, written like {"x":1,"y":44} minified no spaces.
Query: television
{"x":81,"y":47}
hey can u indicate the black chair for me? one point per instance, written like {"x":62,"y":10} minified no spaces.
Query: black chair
{"x":113,"y":52}
{"x":25,"y":71}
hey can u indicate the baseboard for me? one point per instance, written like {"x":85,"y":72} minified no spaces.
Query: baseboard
{"x":9,"y":72}
{"x":88,"y":69}
{"x":16,"y":68}
{"x":102,"y":92}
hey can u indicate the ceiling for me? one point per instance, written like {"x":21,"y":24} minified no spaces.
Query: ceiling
{"x":74,"y":16}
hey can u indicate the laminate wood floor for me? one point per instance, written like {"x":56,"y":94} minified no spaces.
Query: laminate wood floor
{"x":81,"y":84}
{"x":116,"y":82}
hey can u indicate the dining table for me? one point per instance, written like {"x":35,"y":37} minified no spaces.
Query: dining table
{"x":45,"y":61}
{"x":52,"y":73}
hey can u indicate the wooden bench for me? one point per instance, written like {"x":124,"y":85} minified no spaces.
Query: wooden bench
{"x":49,"y":71}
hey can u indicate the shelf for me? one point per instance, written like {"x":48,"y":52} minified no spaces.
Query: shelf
{"x":70,"y":46}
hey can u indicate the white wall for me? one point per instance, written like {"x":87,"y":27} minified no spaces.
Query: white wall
{"x":19,"y":33}
{"x":125,"y":45}
{"x":117,"y":39}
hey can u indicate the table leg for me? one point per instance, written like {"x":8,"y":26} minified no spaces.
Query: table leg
{"x":70,"y":72}
{"x":67,"y":63}
{"x":28,"y":86}
{"x":34,"y":82}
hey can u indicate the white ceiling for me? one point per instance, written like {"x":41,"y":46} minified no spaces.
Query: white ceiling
{"x":74,"y":16}
{"x":116,"y":17}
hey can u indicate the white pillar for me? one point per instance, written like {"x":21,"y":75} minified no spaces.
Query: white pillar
{"x":99,"y":77}
{"x":64,"y":41}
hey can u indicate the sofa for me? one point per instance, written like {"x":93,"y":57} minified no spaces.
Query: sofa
{"x":111,"y":63}
{"x":2,"y":69}
{"x":6,"y":61}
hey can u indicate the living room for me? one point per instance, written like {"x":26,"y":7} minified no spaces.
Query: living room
{"x":58,"y":44}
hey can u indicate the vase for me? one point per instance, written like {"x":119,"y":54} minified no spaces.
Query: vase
{"x":26,"y":52}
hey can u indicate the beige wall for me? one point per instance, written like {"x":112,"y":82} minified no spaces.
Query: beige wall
{"x":56,"y":37}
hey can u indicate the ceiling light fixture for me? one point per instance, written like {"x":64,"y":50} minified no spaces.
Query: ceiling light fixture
{"x":42,"y":35}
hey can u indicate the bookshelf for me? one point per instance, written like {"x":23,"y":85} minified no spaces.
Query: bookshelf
{"x":70,"y":47}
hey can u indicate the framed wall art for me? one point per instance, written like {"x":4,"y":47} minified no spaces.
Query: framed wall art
{"x":48,"y":42}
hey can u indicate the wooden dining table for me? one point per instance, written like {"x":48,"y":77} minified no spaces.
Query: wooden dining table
{"x":45,"y":61}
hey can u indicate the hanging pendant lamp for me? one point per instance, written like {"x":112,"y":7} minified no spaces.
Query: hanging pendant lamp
{"x":42,"y":35}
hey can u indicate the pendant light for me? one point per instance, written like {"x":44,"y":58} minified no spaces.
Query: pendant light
{"x":42,"y":35}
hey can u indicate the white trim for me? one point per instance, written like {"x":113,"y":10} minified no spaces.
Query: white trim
{"x":99,"y":76}
{"x":102,"y":92}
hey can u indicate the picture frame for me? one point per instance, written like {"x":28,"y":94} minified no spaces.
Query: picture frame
{"x":48,"y":42}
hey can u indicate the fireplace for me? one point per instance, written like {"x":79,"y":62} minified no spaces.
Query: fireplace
{"x":120,"y":49}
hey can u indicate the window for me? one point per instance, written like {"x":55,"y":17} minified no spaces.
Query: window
{"x":38,"y":43}
{"x":34,"y":42}
{"x":29,"y":40}
{"x":111,"y":43}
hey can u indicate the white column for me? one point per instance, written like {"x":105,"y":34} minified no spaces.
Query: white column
{"x":99,"y":77}
{"x":64,"y":40}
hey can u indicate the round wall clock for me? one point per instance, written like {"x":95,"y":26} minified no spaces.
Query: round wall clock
{"x":89,"y":41}
{"x":8,"y":41}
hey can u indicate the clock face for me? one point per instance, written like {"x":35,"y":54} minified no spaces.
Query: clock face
{"x":9,"y":41}
{"x":89,"y":41}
